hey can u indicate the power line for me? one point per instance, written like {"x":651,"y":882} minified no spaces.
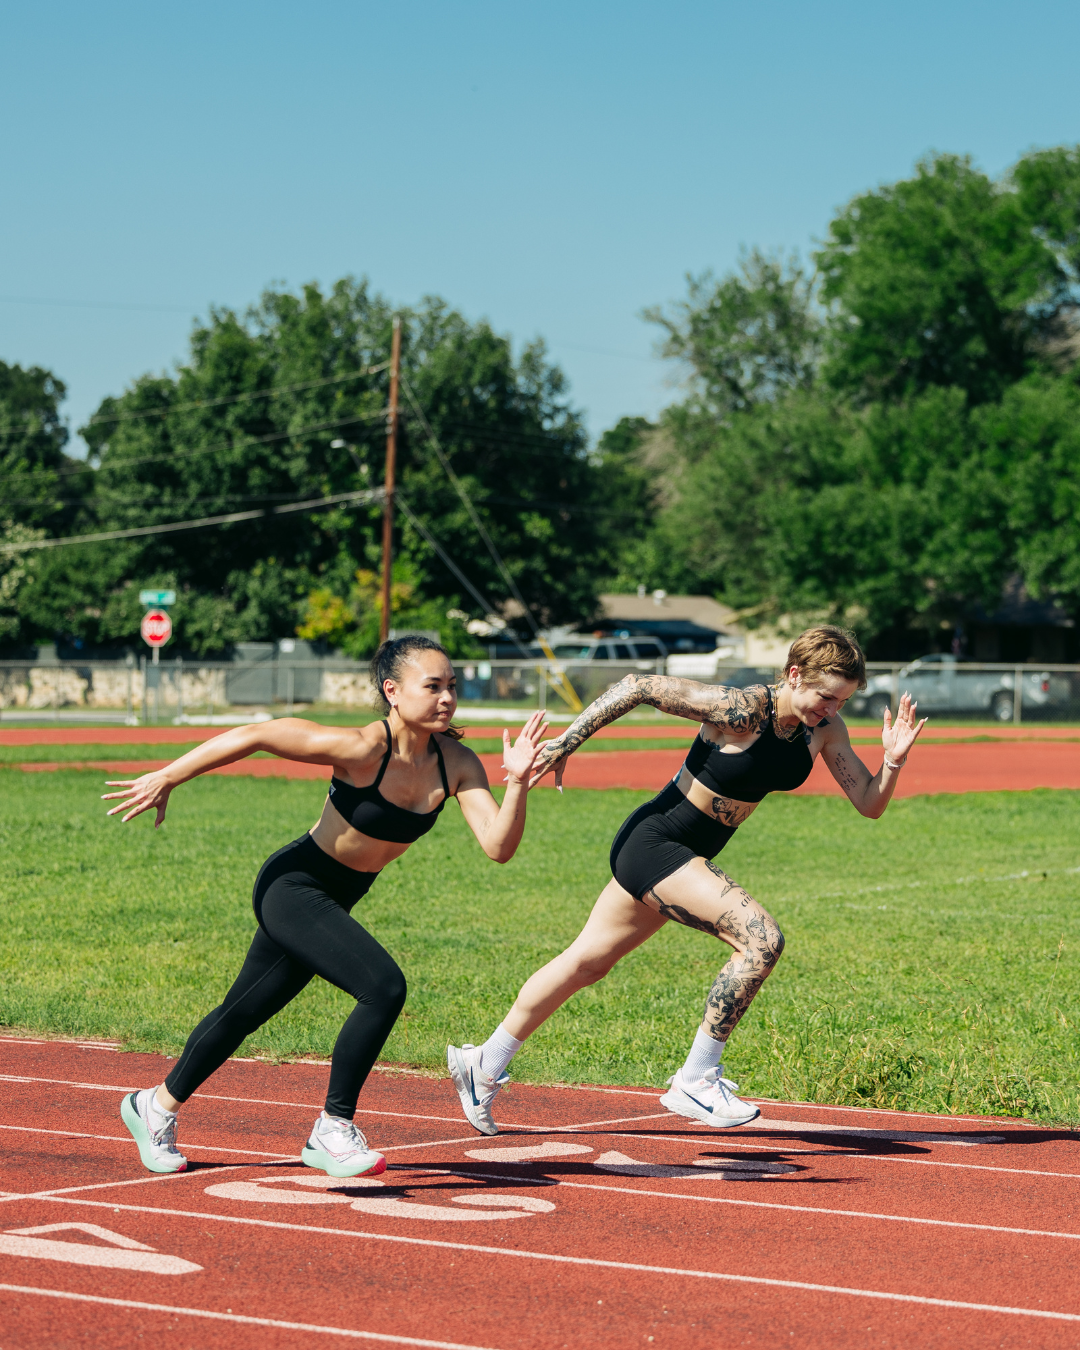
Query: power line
{"x":340,"y":498}
{"x":170,"y":455}
{"x":272,"y":392}
{"x":468,"y":504}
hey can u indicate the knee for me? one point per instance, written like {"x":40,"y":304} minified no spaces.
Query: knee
{"x":590,"y":970}
{"x":390,"y":987}
{"x":766,"y":939}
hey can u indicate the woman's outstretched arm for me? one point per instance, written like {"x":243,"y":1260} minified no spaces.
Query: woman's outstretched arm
{"x":737,"y":710}
{"x":871,"y":795}
{"x":290,"y":737}
{"x":499,"y":827}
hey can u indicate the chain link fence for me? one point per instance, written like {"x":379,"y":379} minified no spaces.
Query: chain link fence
{"x":137,"y":691}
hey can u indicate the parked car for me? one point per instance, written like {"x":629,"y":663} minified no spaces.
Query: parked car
{"x":641,"y":651}
{"x":942,"y":682}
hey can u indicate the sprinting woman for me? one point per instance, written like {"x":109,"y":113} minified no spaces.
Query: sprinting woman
{"x":391,"y":780}
{"x":751,"y":742}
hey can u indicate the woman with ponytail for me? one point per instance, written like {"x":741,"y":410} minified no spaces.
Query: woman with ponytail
{"x":390,"y":782}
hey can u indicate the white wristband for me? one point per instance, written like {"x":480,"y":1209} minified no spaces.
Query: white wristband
{"x":892,"y":764}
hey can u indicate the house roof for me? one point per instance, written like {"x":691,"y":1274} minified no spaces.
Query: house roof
{"x":702,"y":610}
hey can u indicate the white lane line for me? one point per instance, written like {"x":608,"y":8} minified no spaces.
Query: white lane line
{"x":119,"y":1139}
{"x":308,"y":1106}
{"x":237,"y":1317}
{"x":995,"y":1121}
{"x":861,"y":1157}
{"x":215,"y":1097}
{"x":633,"y":1190}
{"x":892,"y":1136}
{"x":592,"y":1261}
{"x":772,"y":1204}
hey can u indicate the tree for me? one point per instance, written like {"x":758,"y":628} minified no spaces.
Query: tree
{"x":750,"y":337}
{"x":946,"y":278}
{"x":286,"y":403}
{"x":35,"y":474}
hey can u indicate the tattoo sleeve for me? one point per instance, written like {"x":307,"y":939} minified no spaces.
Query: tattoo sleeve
{"x":737,"y":710}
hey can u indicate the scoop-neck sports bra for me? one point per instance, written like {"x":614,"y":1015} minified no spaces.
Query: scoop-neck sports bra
{"x":770,"y":764}
{"x":367,"y":810}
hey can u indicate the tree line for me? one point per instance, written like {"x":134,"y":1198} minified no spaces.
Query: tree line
{"x":884,"y":438}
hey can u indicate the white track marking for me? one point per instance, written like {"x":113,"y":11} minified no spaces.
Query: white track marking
{"x":92,"y":1229}
{"x":527,"y":1154}
{"x":775,"y":1204}
{"x":120,"y":1139}
{"x":123,"y":1254}
{"x":590,"y":1261}
{"x":615,"y":1190}
{"x":338,"y":1192}
{"x":865,"y":1132}
{"x":217,"y":1097}
{"x":238,"y":1317}
{"x":844,"y":1153}
{"x":996,"y":1121}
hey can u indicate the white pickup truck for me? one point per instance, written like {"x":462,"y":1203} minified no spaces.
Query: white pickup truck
{"x":942,"y":682}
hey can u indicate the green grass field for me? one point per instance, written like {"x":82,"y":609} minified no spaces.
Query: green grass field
{"x":931,"y":958}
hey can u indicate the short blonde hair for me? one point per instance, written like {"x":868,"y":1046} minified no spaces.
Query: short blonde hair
{"x":827,"y":650}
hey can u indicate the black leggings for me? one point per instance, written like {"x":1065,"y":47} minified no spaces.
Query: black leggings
{"x":302,"y":901}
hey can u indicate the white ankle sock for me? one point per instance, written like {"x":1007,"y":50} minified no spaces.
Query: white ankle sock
{"x":155,"y":1106}
{"x":705,"y":1054}
{"x":498,"y":1050}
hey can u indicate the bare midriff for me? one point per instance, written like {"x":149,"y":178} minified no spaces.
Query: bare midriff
{"x":336,"y":837}
{"x":724,"y":809}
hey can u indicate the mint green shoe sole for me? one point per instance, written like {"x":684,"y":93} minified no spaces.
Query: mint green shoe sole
{"x":322,"y":1162}
{"x":141,"y":1135}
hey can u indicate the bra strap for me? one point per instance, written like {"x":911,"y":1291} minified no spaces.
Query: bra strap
{"x":442,"y":768}
{"x":386,"y":757}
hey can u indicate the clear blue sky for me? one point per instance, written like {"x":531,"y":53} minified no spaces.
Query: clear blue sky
{"x":553,"y":167}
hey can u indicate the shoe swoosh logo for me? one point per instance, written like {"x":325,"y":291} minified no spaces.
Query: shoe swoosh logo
{"x":472,"y":1090}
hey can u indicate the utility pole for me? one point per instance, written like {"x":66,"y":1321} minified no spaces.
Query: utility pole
{"x":388,"y":481}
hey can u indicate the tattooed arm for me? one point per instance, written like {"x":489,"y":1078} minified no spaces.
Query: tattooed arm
{"x":737,"y":710}
{"x":871,"y":795}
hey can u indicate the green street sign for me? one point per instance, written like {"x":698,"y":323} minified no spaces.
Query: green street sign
{"x":157,"y":597}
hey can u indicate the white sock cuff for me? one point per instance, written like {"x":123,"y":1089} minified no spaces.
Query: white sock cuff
{"x":705,"y":1054}
{"x":498,"y":1050}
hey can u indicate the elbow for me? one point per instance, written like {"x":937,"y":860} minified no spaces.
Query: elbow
{"x":500,"y":857}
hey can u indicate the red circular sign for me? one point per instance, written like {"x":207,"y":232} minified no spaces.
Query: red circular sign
{"x":156,"y":627}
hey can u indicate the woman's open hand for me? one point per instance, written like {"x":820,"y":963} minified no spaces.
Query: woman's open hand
{"x":148,"y":793}
{"x":519,"y":758}
{"x":898,"y":737}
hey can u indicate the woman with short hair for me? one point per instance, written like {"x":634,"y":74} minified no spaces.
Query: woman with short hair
{"x":751,"y":742}
{"x":391,"y":780}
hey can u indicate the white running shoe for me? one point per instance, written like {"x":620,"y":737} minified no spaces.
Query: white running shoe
{"x":155,"y":1134}
{"x":338,"y":1148}
{"x":711,"y":1099}
{"x":476,"y":1088}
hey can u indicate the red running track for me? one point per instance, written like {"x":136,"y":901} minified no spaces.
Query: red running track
{"x":979,"y":767}
{"x":595,"y":1219}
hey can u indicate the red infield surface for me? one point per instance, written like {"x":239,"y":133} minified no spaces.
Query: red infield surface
{"x":595,"y":1220}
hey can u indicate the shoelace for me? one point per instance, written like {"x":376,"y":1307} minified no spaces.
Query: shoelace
{"x":354,"y":1135}
{"x":166,"y":1134}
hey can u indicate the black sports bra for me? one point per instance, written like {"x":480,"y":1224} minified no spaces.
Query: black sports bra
{"x":770,"y":764}
{"x":367,"y":810}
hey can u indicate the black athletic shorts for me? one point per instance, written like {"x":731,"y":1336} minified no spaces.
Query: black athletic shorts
{"x":662,"y":836}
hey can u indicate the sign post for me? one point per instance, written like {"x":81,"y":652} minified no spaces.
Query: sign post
{"x":156,"y":630}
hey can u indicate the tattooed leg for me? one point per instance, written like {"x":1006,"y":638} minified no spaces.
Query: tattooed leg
{"x":701,"y":896}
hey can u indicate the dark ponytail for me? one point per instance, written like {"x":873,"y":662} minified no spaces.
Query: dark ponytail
{"x":391,"y":659}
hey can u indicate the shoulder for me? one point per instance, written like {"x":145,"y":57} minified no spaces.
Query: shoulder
{"x":464,"y":767}
{"x":740,"y":710}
